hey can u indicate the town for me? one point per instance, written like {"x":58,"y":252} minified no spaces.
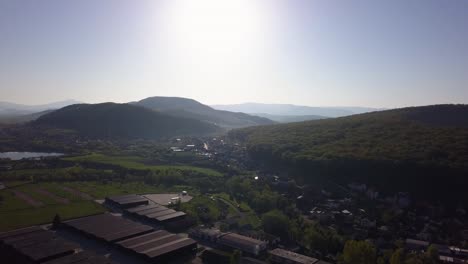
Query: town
{"x":234,"y":223}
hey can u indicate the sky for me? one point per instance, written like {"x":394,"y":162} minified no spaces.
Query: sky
{"x":308,"y":52}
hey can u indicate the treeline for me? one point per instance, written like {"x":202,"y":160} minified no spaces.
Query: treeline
{"x":414,"y":145}
{"x":363,"y":252}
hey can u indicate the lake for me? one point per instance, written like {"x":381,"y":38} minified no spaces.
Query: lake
{"x":27,"y":155}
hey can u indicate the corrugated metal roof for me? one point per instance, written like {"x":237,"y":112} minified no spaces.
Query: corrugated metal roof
{"x":142,"y":208}
{"x":108,"y":227}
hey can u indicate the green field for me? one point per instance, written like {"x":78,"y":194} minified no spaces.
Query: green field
{"x":17,"y":213}
{"x":137,"y":163}
{"x":100,"y":190}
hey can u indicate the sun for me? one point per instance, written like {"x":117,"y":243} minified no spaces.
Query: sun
{"x":213,"y":31}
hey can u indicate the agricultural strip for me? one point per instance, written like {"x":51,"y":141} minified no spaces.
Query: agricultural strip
{"x":83,"y":195}
{"x":53,"y":196}
{"x":27,"y":199}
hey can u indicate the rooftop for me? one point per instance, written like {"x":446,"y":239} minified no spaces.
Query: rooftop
{"x":298,"y":258}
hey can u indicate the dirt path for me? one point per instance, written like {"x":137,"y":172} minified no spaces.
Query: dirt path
{"x":27,"y":199}
{"x":84,"y":196}
{"x":53,"y":196}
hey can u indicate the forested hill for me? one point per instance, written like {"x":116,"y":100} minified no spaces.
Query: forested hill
{"x":110,"y":120}
{"x":401,"y":142}
{"x":189,"y":108}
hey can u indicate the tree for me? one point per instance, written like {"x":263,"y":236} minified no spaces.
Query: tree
{"x":359,"y":252}
{"x":397,"y":257}
{"x":56,"y":222}
{"x":432,"y":254}
{"x":235,"y":257}
{"x":275,"y":222}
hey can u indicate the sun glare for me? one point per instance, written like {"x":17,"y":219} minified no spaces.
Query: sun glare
{"x":213,"y":30}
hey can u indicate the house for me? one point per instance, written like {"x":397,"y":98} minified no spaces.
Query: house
{"x":416,"y":245}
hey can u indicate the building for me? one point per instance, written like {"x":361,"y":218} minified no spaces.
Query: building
{"x":230,"y":241}
{"x":282,"y":256}
{"x":107,"y":228}
{"x":159,"y":246}
{"x":416,"y":245}
{"x":134,"y":238}
{"x":36,"y":245}
{"x":126,"y":201}
{"x":242,"y":243}
{"x":156,"y":213}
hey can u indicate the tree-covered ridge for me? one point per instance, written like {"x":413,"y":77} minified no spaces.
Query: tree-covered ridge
{"x":436,"y":135}
{"x":189,"y":108}
{"x":110,"y":120}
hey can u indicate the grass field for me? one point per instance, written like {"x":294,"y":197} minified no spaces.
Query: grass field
{"x":100,"y":190}
{"x":137,"y":163}
{"x":16,"y":212}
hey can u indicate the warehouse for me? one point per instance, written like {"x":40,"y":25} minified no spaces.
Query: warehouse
{"x":230,"y":240}
{"x":134,"y":238}
{"x":126,"y":201}
{"x":243,"y":243}
{"x":156,"y":213}
{"x":107,"y":227}
{"x":33,"y":245}
{"x":159,"y":245}
{"x":283,"y":256}
{"x":82,"y":257}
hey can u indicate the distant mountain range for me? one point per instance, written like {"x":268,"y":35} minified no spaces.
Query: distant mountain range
{"x":290,"y":118}
{"x":127,"y":121}
{"x":12,"y":109}
{"x":189,"y":108}
{"x":173,"y":106}
{"x":150,"y":118}
{"x":295,"y":110}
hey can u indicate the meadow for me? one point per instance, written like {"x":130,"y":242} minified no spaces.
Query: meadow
{"x":138,"y":163}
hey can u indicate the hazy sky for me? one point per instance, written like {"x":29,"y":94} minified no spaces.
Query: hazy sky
{"x":320,"y":53}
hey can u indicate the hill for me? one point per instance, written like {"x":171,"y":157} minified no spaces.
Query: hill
{"x":401,"y":149}
{"x":111,"y":120}
{"x":189,"y":108}
{"x":294,"y":110}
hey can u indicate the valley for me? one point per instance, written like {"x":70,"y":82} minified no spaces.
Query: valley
{"x":247,"y":183}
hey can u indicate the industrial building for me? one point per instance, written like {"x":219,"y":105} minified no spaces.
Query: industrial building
{"x":82,"y":257}
{"x":281,"y":256}
{"x":156,"y":213}
{"x":243,"y":243}
{"x":159,"y":245}
{"x":230,"y":240}
{"x":134,"y":238}
{"x":126,"y":201}
{"x":107,"y":227}
{"x":36,"y":245}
